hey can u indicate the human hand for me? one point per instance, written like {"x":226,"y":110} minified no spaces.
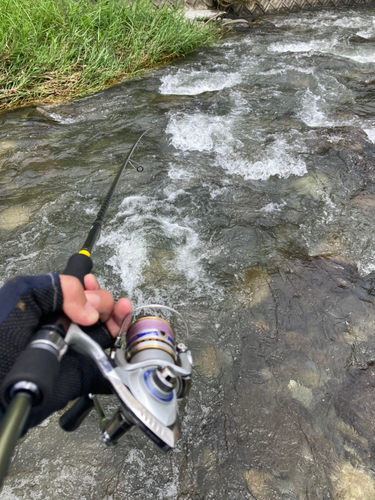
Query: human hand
{"x":23,"y":303}
{"x":86,"y":307}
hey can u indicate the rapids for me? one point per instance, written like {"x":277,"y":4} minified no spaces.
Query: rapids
{"x":255,"y":218}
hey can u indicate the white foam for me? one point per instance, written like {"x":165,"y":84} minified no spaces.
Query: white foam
{"x":367,"y":33}
{"x":353,"y":21}
{"x":273,"y":207}
{"x":12,"y":264}
{"x":285,"y":69}
{"x":173,"y":195}
{"x":212,"y":134}
{"x":132,"y":202}
{"x":198,"y":132}
{"x":317,"y":104}
{"x":360,"y":57}
{"x":65,"y":120}
{"x":314,"y":110}
{"x":366,"y":265}
{"x":90,"y":211}
{"x":361,"y":54}
{"x":214,"y":193}
{"x":312,"y":46}
{"x":275,"y":160}
{"x":190,"y":253}
{"x":323,"y":20}
{"x":179,"y":173}
{"x":143,"y":218}
{"x":370,"y":133}
{"x":188,"y":82}
{"x":128,"y":259}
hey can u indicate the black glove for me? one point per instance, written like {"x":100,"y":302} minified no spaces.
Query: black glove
{"x":23,"y":302}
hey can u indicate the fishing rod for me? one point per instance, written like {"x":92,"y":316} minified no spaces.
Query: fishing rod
{"x":146,"y":370}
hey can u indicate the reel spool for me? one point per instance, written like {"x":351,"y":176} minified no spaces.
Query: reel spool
{"x":147,"y":334}
{"x":151,"y":340}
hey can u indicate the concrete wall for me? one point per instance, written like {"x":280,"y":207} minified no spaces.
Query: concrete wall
{"x":256,"y":8}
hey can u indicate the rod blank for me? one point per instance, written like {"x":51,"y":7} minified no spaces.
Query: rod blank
{"x":11,"y":429}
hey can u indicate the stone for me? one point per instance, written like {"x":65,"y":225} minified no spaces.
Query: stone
{"x":211,"y":362}
{"x":298,"y":342}
{"x":351,"y":434}
{"x":208,"y":459}
{"x":301,"y":393}
{"x":158,"y":261}
{"x":354,"y":336}
{"x":364,"y":202}
{"x":317,"y":186}
{"x":351,"y":483}
{"x":6,"y":146}
{"x":307,"y":378}
{"x":203,"y":14}
{"x":10,"y":218}
{"x":260,"y":485}
{"x":355,"y":39}
{"x":235,"y":22}
{"x":331,"y":243}
{"x":253,"y":288}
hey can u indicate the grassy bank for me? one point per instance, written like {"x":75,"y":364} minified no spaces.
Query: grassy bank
{"x":59,"y":49}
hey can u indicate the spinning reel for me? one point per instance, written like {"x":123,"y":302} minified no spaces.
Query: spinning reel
{"x":147,"y":372}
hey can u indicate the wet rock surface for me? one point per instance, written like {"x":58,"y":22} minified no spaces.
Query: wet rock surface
{"x":285,"y":407}
{"x":254,"y":217}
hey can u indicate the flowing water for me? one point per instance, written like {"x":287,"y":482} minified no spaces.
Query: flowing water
{"x":255,"y":217}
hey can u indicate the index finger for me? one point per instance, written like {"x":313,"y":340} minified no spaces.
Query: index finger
{"x":91,"y":283}
{"x":122,"y":308}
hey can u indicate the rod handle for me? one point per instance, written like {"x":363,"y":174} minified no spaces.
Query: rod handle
{"x":79,"y":264}
{"x":38,"y":364}
{"x":34,"y":371}
{"x":73,"y":418}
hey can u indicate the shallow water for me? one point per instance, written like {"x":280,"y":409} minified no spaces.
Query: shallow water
{"x":255,"y":217}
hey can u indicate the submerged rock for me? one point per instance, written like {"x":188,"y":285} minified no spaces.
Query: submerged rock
{"x":211,"y":362}
{"x":317,"y":186}
{"x":208,"y":459}
{"x":6,"y":146}
{"x":261,"y":485}
{"x":364,"y":201}
{"x":301,"y":393}
{"x":252,"y":288}
{"x":352,"y":483}
{"x":360,"y":39}
{"x":13,"y":217}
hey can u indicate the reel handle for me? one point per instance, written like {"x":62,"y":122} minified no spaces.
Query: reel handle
{"x":73,"y":418}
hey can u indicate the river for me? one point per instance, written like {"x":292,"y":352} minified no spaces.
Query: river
{"x":254,"y":217}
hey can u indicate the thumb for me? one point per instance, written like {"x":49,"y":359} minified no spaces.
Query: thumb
{"x":75,"y":304}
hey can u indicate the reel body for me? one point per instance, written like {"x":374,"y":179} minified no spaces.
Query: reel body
{"x":147,"y":371}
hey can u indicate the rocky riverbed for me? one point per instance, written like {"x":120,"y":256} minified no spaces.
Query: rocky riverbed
{"x":254,"y":217}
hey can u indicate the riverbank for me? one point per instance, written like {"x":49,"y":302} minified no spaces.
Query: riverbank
{"x":58,"y":50}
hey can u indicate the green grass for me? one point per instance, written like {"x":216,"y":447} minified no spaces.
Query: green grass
{"x":54,"y":50}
